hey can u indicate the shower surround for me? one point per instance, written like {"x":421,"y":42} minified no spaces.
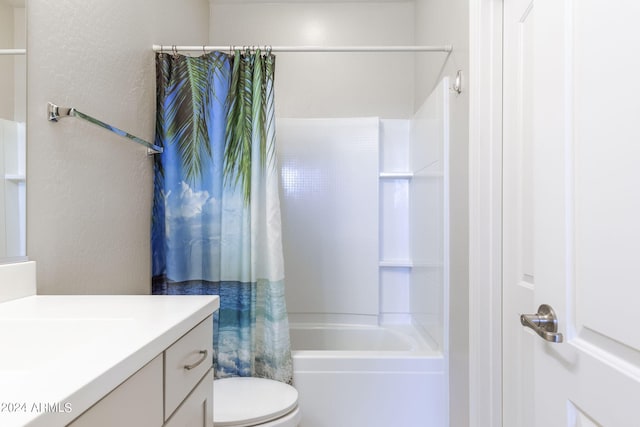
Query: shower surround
{"x":365,"y":235}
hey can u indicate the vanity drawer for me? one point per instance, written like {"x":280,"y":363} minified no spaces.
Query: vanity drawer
{"x":185,"y":363}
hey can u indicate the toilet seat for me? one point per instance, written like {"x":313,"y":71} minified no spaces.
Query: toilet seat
{"x":248,"y":401}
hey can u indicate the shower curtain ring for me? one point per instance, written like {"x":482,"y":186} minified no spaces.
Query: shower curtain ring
{"x":174,"y":48}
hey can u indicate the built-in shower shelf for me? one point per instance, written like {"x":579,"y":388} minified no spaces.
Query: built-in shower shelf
{"x":396,"y":175}
{"x":396,"y":263}
{"x":15,"y":177}
{"x":409,"y":175}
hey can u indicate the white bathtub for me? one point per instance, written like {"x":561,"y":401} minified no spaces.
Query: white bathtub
{"x":367,"y":376}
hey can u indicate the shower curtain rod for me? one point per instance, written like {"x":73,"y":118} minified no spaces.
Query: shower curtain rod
{"x":173,"y":48}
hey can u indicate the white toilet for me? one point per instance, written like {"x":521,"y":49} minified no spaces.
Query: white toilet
{"x":254,"y":402}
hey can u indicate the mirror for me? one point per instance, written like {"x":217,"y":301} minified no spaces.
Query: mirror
{"x":13,"y":100}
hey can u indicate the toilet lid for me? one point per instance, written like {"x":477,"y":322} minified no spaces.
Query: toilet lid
{"x":247,"y":401}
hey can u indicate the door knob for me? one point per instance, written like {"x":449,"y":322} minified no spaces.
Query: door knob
{"x":544,"y":323}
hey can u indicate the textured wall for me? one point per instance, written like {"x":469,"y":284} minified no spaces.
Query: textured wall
{"x":321,"y":85}
{"x":89,"y":192}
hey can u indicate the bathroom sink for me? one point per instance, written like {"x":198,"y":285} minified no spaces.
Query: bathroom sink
{"x":34,"y":344}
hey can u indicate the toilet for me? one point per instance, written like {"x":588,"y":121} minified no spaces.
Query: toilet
{"x":254,"y":402}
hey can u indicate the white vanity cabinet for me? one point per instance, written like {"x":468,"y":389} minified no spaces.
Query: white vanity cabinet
{"x":197,"y":409}
{"x":188,"y":378}
{"x":135,"y":402}
{"x":174,"y":389}
{"x":106,"y":360}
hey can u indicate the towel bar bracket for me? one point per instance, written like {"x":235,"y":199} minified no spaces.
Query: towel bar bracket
{"x":55,"y":112}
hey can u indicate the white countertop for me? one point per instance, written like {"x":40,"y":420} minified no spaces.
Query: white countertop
{"x":61,"y":354}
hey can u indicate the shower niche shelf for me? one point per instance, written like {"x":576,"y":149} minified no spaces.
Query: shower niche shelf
{"x":396,"y":263}
{"x":15,"y":177}
{"x":409,"y":175}
{"x":396,"y":175}
{"x":394,"y":219}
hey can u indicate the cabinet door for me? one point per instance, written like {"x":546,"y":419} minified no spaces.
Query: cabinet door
{"x":186,"y":362}
{"x":135,"y":402}
{"x":197,"y":409}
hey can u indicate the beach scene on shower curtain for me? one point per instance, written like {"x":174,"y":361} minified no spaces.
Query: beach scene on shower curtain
{"x":216,"y":212}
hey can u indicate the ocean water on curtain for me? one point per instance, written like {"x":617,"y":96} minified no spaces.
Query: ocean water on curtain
{"x":233,"y":322}
{"x":204,"y":232}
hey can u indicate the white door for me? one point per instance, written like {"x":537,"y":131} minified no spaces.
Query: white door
{"x":580,"y":171}
{"x":518,"y":279}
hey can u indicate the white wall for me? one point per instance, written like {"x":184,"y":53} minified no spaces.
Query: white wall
{"x":438,"y":22}
{"x":328,"y":84}
{"x":89,"y":191}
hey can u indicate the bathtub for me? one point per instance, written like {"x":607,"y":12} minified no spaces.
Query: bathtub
{"x":368,"y":376}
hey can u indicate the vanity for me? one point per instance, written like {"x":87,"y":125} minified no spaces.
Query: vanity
{"x":83,"y":360}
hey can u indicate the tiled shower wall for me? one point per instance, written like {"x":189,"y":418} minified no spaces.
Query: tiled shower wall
{"x":345,"y":206}
{"x":329,"y":199}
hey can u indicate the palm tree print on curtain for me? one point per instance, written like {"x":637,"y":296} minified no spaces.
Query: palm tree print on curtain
{"x":216,"y":213}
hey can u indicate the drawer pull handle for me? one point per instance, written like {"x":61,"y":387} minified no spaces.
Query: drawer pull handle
{"x":204,"y":354}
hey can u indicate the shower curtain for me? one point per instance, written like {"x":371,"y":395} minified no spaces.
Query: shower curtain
{"x":216,"y":212}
